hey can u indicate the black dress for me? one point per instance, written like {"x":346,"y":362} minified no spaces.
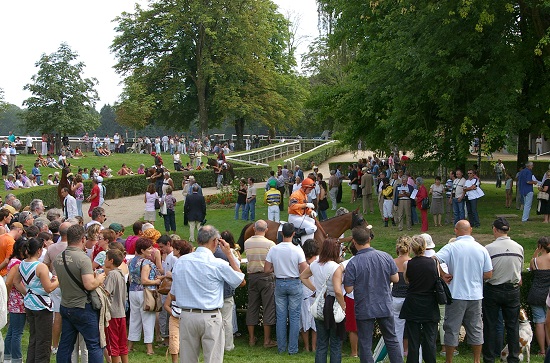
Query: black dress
{"x":545,"y":204}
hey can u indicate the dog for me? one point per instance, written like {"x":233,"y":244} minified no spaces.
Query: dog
{"x":525,"y":338}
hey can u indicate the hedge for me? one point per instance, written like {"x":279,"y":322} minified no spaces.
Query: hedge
{"x":308,"y":159}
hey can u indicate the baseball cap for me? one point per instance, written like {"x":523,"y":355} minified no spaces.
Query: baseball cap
{"x":117,"y":227}
{"x":146,"y":226}
{"x":9,"y":208}
{"x":273,"y":183}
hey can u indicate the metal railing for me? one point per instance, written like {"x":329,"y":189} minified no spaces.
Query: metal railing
{"x":318,"y":143}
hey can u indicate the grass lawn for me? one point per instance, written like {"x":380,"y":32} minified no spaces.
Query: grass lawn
{"x":222,"y":217}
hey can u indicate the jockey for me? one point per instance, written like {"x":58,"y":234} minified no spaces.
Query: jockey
{"x":221,"y":157}
{"x":300,"y":212}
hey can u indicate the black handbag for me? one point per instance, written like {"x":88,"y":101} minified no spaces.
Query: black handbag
{"x":157,"y":204}
{"x":425,"y":203}
{"x":442,"y":292}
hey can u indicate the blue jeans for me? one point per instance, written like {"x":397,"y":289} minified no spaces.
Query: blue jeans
{"x":170,"y":221}
{"x":237,"y":207}
{"x":288,"y":303}
{"x":250,"y":208}
{"x":84,"y":321}
{"x":79,"y":207}
{"x":458,"y":210}
{"x":326,"y":338}
{"x":472,"y":212}
{"x":527,"y":202}
{"x":12,"y":343}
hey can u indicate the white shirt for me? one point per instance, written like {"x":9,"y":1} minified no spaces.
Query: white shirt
{"x":286,"y":258}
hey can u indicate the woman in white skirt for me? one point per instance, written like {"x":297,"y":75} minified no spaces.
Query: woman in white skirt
{"x":150,"y":196}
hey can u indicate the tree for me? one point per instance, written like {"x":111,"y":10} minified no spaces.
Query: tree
{"x":429,"y":77}
{"x":3,"y":104}
{"x":187,"y":60}
{"x":61,"y":99}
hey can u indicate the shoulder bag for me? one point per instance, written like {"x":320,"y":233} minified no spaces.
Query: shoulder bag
{"x":93,"y":297}
{"x":165,"y":286}
{"x":543,"y":195}
{"x":442,"y":292}
{"x":316,"y":309}
{"x":152,"y":301}
{"x":425,"y":203}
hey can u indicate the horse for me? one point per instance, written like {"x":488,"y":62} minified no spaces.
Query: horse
{"x":64,"y":182}
{"x":332,"y":227}
{"x":225,"y":171}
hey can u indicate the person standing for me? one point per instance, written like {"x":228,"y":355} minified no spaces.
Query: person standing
{"x":500,"y":170}
{"x":402,"y":200}
{"x":195,"y":210}
{"x":261,"y":285}
{"x":198,"y":282}
{"x":77,"y":313}
{"x":474,"y":192}
{"x":327,"y":270}
{"x":420,"y":309}
{"x":367,"y":182}
{"x":38,"y":282}
{"x":241,"y":198}
{"x":70,"y":208}
{"x":272,"y":198}
{"x":544,"y":205}
{"x":525,"y":185}
{"x":469,"y":264}
{"x":437,"y":190}
{"x":501,"y":292}
{"x":420,"y":196}
{"x":540,"y":270}
{"x":287,"y":262}
{"x":250,"y":206}
{"x":457,"y":196}
{"x":372,"y":270}
{"x":333,"y":184}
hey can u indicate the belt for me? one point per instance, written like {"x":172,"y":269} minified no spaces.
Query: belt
{"x":201,"y":311}
{"x":287,"y":278}
{"x":506,"y":284}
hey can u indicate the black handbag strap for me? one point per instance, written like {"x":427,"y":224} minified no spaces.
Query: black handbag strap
{"x":72,"y":276}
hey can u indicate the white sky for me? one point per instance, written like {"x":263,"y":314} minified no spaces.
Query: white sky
{"x":33,"y":27}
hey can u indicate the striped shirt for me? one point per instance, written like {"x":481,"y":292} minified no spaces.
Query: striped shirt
{"x":256,"y":248}
{"x":272,"y":197}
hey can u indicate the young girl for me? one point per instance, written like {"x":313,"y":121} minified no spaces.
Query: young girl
{"x":170,"y":216}
{"x":508,"y":184}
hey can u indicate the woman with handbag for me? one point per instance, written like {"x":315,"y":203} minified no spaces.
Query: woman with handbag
{"x":399,"y":289}
{"x":38,"y":283}
{"x":420,"y":196}
{"x":540,"y":269}
{"x":420,"y":309}
{"x":544,"y":203}
{"x":143,"y":276}
{"x":327,"y":271}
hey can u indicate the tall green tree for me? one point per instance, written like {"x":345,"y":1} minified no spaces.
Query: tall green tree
{"x":207,"y":62}
{"x":430,"y":76}
{"x":62,"y":100}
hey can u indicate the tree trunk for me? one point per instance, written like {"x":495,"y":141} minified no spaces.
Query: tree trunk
{"x":272,"y":133}
{"x":523,"y":147}
{"x":239,"y":131}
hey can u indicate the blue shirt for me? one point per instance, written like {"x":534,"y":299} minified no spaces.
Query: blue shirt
{"x":369,"y":273}
{"x":467,"y":260}
{"x":198,"y":280}
{"x":526,"y":175}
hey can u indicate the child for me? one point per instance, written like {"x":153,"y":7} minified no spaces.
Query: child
{"x":170,"y":216}
{"x":508,"y":184}
{"x":115,"y":284}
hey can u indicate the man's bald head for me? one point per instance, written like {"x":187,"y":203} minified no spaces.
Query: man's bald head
{"x":63,"y":230}
{"x":463,"y":228}
{"x":260,"y":226}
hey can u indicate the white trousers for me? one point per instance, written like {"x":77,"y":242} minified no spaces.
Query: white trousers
{"x":140,"y":320}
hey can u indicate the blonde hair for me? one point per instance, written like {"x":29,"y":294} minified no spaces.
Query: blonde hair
{"x":403,"y":245}
{"x":418,"y":245}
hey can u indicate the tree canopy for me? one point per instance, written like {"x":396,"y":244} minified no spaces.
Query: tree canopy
{"x":187,"y":61}
{"x":62,"y":100}
{"x":430,"y":76}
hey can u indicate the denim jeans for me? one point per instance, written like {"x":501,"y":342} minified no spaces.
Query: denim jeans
{"x":170,"y":221}
{"x":84,"y":321}
{"x":250,"y":208}
{"x":288,"y":303}
{"x":327,"y":338}
{"x":237,"y":207}
{"x":505,"y":297}
{"x":79,"y":207}
{"x":458,"y":210}
{"x":527,"y":202}
{"x":472,"y":212}
{"x":12,"y":343}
